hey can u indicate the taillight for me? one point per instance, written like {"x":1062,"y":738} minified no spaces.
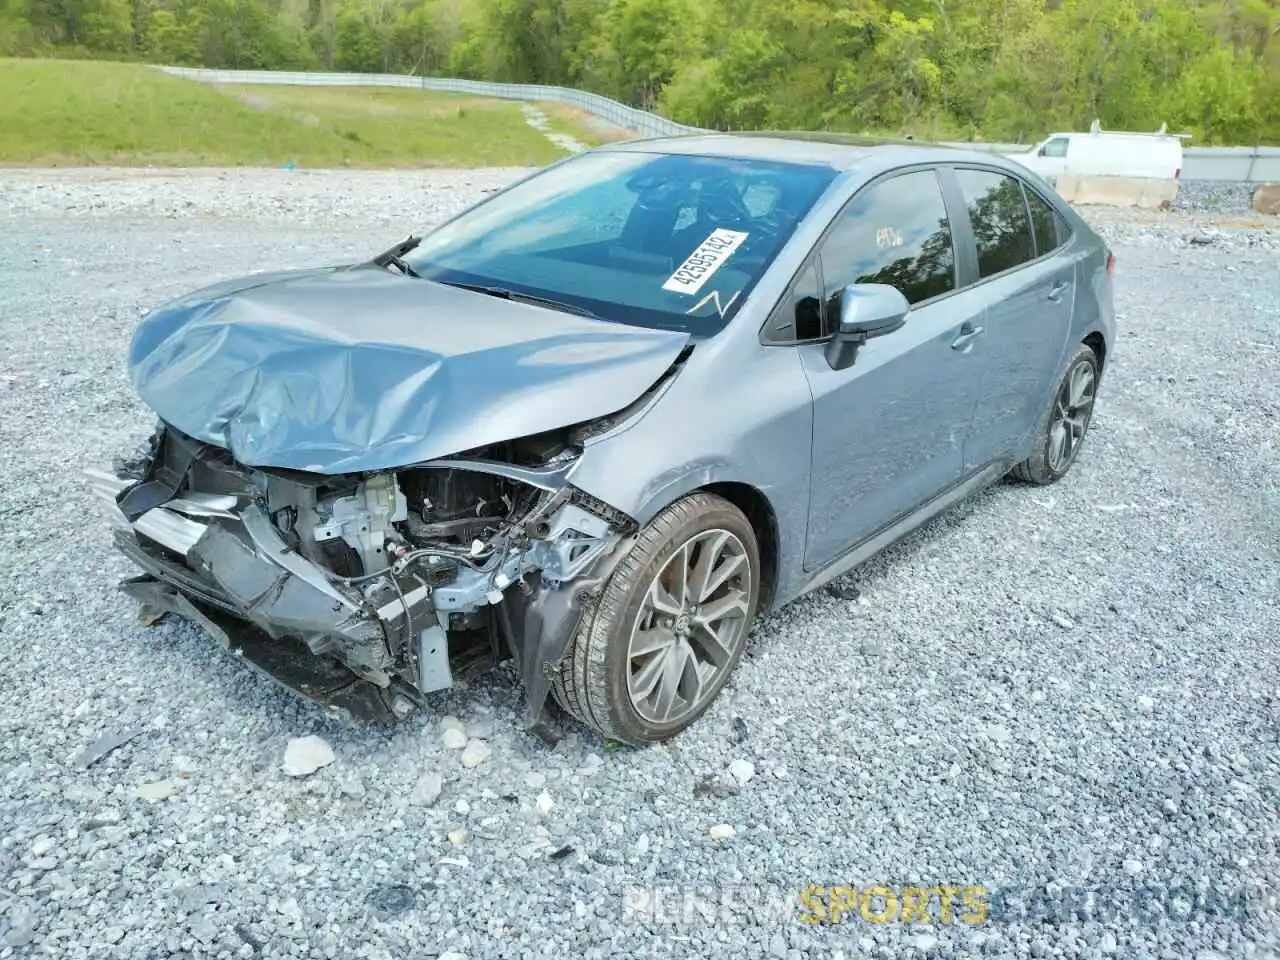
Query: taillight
{"x":1111,"y":262}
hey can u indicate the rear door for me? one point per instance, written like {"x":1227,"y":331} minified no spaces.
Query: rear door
{"x":888,"y":431}
{"x":1027,"y":279}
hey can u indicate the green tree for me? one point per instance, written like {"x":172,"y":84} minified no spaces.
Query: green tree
{"x":1216,"y":97}
{"x":357,"y":46}
{"x":170,"y":40}
{"x":637,"y":49}
{"x":1005,"y":70}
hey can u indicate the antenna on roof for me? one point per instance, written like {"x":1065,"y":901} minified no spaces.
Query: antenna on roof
{"x":1096,"y":127}
{"x":1164,"y":128}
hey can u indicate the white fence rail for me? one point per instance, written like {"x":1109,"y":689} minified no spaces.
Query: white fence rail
{"x":611,"y":111}
{"x":1223,"y":164}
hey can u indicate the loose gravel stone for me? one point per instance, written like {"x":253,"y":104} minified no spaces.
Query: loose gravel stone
{"x":303,"y":756}
{"x":742,"y":771}
{"x":427,"y":790}
{"x":476,"y":753}
{"x":1214,"y":197}
{"x":867,"y":719}
{"x":104,"y":818}
{"x":924,"y":942}
{"x":453,"y":738}
{"x":158,"y":790}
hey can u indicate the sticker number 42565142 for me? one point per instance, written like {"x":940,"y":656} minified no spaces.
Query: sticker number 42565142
{"x":705,"y":261}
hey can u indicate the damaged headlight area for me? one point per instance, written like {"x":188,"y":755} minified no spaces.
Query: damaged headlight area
{"x":365,"y":592}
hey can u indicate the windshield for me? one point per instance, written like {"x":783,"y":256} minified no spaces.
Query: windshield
{"x":654,"y":240}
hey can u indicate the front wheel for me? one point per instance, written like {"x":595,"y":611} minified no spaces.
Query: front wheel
{"x":670,"y":625}
{"x":1062,"y":428}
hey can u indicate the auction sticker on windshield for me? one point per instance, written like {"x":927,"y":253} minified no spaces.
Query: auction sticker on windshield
{"x":705,"y":261}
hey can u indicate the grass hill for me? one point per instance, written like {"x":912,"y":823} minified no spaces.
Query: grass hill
{"x":73,"y":112}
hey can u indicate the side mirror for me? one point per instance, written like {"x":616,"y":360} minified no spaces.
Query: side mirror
{"x":1043,"y":151}
{"x":867,"y":310}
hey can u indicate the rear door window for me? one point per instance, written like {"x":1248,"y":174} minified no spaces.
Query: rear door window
{"x":896,"y":231}
{"x":1000,"y":221}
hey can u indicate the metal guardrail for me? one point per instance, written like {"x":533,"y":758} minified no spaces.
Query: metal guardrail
{"x":1222,"y":164}
{"x":1232,"y":164}
{"x":611,"y":111}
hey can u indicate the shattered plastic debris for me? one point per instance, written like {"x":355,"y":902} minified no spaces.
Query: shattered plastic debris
{"x":105,"y":743}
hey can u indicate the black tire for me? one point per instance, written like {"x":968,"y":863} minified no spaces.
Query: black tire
{"x":592,"y":683}
{"x":1045,"y":465}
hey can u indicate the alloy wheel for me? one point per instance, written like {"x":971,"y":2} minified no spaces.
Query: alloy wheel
{"x":1072,"y":409}
{"x":689,"y":627}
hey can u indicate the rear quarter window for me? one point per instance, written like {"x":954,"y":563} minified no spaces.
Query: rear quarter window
{"x":1047,"y":225}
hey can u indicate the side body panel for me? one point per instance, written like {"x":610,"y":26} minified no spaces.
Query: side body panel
{"x":1026,"y":329}
{"x":889,"y":431}
{"x":742,"y":412}
{"x":1092,"y":309}
{"x":1027,"y":324}
{"x":1095,"y":306}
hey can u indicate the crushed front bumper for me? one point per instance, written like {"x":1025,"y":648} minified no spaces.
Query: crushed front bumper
{"x":220,"y":563}
{"x":203,"y":530}
{"x":284,"y":660}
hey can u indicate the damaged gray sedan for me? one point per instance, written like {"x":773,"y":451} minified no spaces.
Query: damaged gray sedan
{"x":599,"y":421}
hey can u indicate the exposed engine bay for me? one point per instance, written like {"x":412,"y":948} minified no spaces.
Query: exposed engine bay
{"x":373,"y":575}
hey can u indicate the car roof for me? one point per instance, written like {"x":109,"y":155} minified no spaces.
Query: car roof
{"x":837,"y":150}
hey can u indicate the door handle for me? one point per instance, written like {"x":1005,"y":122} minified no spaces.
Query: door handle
{"x":1058,"y":289}
{"x":968,"y":334}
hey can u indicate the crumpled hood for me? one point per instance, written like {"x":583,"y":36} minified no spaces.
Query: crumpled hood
{"x":350,"y":369}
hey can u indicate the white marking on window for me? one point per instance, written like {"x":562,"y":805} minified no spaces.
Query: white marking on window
{"x":705,"y":261}
{"x":888,"y":237}
{"x":714,"y":297}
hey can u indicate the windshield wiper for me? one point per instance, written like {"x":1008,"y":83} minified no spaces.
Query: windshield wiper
{"x":395,"y":257}
{"x":515,"y":295}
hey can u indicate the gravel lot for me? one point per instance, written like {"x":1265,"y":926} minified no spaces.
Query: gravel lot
{"x":1044,"y":691}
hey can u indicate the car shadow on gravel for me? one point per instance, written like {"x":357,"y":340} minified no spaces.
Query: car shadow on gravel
{"x":884,"y":566}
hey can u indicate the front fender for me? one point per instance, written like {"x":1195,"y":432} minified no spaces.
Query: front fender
{"x":738,"y":413}
{"x":667,"y":487}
